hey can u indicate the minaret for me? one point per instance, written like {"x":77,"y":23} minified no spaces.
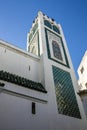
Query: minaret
{"x":46,"y":40}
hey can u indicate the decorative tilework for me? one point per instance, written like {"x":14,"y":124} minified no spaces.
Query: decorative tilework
{"x":65,"y":95}
{"x":34,"y":46}
{"x":12,"y":78}
{"x":56,"y":50}
{"x":49,"y":52}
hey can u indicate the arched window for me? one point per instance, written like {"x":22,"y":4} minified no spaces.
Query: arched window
{"x":56,"y":29}
{"x":56,"y":50}
{"x":47,"y":23}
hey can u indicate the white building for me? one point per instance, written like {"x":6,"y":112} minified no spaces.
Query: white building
{"x":38,"y":87}
{"x":82,"y":72}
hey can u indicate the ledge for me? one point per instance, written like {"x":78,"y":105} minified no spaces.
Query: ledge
{"x":21,"y":81}
{"x":18,"y":50}
{"x":17,"y":94}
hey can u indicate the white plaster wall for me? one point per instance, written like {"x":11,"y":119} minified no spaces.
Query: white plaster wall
{"x":15,"y":114}
{"x":83,"y":76}
{"x":15,"y":111}
{"x":18,"y":63}
{"x":84,"y":100}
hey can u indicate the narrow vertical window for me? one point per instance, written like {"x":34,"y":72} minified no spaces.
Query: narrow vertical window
{"x":29,"y":67}
{"x":56,"y":50}
{"x":82,"y":70}
{"x":33,"y":108}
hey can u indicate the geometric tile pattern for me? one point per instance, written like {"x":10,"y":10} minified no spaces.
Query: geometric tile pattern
{"x":65,"y":95}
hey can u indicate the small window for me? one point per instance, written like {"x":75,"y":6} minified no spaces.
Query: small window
{"x":56,"y":29}
{"x":47,"y":23}
{"x":33,"y":108}
{"x":82,"y":70}
{"x":29,"y":67}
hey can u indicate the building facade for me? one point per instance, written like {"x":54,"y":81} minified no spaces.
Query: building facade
{"x":82,"y":72}
{"x":38,"y":87}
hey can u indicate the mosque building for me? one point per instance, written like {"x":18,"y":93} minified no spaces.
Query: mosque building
{"x":38,"y":87}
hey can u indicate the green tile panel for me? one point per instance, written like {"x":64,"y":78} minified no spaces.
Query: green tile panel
{"x":49,"y":52}
{"x":65,"y":95}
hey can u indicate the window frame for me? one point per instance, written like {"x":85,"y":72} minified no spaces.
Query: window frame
{"x":33,"y":108}
{"x":56,"y":50}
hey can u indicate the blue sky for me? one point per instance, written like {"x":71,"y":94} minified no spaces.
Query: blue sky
{"x":16,"y":17}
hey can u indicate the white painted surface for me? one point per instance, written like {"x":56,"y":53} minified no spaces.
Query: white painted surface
{"x":84,"y":100}
{"x":83,"y":76}
{"x":17,"y":62}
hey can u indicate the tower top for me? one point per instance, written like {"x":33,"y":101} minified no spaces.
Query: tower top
{"x":44,"y":17}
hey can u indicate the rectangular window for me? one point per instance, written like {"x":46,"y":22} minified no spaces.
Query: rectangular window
{"x":33,"y":108}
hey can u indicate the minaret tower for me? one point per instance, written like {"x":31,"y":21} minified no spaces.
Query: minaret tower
{"x":46,"y":40}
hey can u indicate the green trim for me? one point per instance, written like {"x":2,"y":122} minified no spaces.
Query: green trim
{"x":48,"y":50}
{"x":65,"y":95}
{"x":12,"y":78}
{"x":51,"y":26}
